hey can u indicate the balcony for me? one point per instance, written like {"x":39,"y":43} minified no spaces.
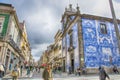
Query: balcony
{"x":13,"y":44}
{"x":71,"y":48}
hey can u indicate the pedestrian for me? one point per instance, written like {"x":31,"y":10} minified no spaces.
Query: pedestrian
{"x":4,"y":69}
{"x":115,"y":70}
{"x":76,"y":72}
{"x":70,"y":70}
{"x":79,"y":71}
{"x":103,"y":74}
{"x":50,"y":72}
{"x":45,"y":74}
{"x":84,"y":71}
{"x":1,"y":70}
{"x":15,"y":72}
{"x":39,"y":70}
{"x":21,"y":68}
{"x":28,"y":71}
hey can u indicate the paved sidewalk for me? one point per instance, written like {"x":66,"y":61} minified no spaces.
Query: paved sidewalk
{"x":9,"y":75}
{"x":86,"y":77}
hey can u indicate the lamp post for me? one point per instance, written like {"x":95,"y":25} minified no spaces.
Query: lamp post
{"x":115,"y":23}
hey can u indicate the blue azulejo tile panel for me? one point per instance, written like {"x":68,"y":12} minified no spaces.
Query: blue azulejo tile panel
{"x":90,"y":42}
{"x":75,"y":44}
{"x":92,"y":58}
{"x":99,"y":49}
{"x":87,"y":23}
{"x":75,"y":36}
{"x":68,"y":41}
{"x":105,"y":42}
{"x":91,"y":64}
{"x":105,"y":50}
{"x":89,"y":34}
{"x":90,"y":48}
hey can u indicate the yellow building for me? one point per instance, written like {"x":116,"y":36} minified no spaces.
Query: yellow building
{"x":50,"y":50}
{"x":44,"y":58}
{"x":57,"y":49}
{"x":25,"y":46}
{"x":53,"y":54}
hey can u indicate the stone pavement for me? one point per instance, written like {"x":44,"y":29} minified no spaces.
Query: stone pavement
{"x":89,"y":77}
{"x":65,"y":76}
{"x":24,"y":74}
{"x":84,"y":77}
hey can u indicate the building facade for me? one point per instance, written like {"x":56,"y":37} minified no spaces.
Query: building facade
{"x":88,"y":41}
{"x":25,"y":46}
{"x":10,"y":37}
{"x":53,"y":54}
{"x":57,"y":49}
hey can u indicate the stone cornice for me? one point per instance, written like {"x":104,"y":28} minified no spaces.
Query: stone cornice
{"x":3,"y":4}
{"x":97,"y":18}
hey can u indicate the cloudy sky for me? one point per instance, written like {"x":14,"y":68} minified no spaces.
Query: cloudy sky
{"x":43,"y":17}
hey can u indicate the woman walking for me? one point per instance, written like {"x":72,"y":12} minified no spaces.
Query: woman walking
{"x":16,"y":72}
{"x":47,"y":73}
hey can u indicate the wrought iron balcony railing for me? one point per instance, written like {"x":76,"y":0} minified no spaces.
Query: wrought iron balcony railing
{"x":12,"y":43}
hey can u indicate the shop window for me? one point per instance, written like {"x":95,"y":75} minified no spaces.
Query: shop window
{"x":8,"y":51}
{"x":0,"y":48}
{"x":103,"y":28}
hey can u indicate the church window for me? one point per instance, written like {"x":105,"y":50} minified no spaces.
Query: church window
{"x":103,"y":28}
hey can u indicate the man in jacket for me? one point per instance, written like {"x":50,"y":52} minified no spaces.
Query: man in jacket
{"x":103,"y":74}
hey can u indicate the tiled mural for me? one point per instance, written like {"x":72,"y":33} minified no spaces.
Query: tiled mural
{"x":75,"y":44}
{"x":99,"y":49}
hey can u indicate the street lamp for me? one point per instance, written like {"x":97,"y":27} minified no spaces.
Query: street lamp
{"x":115,"y":23}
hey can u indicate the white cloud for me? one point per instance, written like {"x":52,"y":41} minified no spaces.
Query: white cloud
{"x":40,"y":48}
{"x":45,"y":19}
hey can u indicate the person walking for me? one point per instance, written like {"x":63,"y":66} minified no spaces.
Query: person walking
{"x":84,"y":71}
{"x":70,"y":70}
{"x":1,"y":70}
{"x":76,"y":72}
{"x":50,"y":72}
{"x":15,"y":72}
{"x":21,"y":69}
{"x":28,"y":71}
{"x":45,"y":74}
{"x":79,"y":71}
{"x":103,"y":74}
{"x":115,"y":70}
